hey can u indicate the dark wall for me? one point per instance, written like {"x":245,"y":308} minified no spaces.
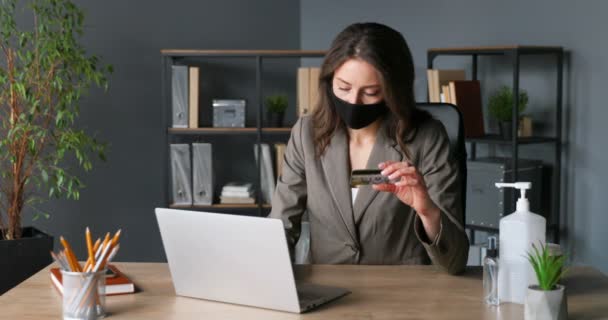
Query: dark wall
{"x":578,"y":27}
{"x":123,"y":192}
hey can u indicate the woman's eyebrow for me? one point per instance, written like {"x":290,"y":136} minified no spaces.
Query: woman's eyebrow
{"x":364,"y":87}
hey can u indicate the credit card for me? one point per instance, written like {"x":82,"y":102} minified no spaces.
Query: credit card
{"x":367,"y":176}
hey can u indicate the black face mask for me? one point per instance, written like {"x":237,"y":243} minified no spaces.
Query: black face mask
{"x":358,"y":116}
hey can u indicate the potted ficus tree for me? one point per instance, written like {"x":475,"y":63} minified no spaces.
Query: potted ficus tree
{"x":44,"y":72}
{"x":547,"y":300}
{"x":501,"y":108}
{"x":275,"y":108}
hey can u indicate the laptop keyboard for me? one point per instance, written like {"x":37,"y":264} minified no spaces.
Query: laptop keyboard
{"x":306,"y":296}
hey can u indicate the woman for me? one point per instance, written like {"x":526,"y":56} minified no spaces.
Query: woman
{"x":366,"y":118}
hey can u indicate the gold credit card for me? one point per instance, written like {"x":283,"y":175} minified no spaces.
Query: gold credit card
{"x":367,"y":176}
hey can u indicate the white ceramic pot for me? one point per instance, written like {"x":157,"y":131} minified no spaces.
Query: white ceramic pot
{"x":546,"y":305}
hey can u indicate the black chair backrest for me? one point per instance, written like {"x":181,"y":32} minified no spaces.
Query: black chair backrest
{"x":451,"y":118}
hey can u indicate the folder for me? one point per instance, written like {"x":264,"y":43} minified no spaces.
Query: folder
{"x":202,"y":173}
{"x":268,"y":182}
{"x":179,"y":96}
{"x":181,"y":174}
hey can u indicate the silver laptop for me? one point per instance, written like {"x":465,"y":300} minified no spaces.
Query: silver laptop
{"x":235,"y":259}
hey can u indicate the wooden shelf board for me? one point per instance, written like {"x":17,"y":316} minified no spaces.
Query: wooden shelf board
{"x":496,"y":139}
{"x":244,"y":53}
{"x":219,"y":206}
{"x":226,"y":130}
{"x":495,"y":49}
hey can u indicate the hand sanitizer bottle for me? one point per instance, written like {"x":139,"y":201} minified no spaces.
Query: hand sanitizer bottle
{"x":518,"y":231}
{"x":490,"y":273}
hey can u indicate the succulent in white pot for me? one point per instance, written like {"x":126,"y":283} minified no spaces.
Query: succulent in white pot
{"x":547,"y":300}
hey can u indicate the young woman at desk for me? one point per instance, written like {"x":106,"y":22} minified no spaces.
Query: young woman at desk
{"x":366,"y":118}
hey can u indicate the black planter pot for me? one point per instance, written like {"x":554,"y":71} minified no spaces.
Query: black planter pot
{"x":506,"y":129}
{"x":20,"y":259}
{"x":275,"y":120}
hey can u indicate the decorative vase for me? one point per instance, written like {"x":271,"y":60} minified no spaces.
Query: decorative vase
{"x":21,"y":258}
{"x":546,"y":305}
{"x":506,"y":129}
{"x":275,"y":119}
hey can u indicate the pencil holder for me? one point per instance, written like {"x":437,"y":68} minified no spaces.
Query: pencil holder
{"x":83,"y":295}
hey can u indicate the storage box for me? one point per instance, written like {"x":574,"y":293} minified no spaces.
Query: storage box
{"x":229,"y":113}
{"x":486,"y":204}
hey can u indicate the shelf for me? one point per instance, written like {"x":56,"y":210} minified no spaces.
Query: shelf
{"x":195,"y":131}
{"x":219,"y":206}
{"x":496,"y":139}
{"x":495,"y":50}
{"x":242,"y":53}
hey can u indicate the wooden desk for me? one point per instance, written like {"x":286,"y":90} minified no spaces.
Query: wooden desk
{"x":378,"y":292}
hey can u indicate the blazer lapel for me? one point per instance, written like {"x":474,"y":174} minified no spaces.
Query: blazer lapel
{"x":385,"y":148}
{"x":336,"y":166}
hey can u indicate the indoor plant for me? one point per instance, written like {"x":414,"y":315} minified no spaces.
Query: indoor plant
{"x":501,"y":108}
{"x":275,"y":108}
{"x":547,"y":300}
{"x":44,"y":72}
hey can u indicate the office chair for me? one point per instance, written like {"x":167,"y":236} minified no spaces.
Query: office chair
{"x":451,"y":118}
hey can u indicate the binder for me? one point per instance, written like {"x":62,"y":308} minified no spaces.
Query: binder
{"x":268,"y":182}
{"x":181,"y":174}
{"x":202,"y":173}
{"x":179,"y":96}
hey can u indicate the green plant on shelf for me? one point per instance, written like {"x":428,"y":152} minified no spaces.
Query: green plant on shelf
{"x":501,"y":104}
{"x":276,"y":103}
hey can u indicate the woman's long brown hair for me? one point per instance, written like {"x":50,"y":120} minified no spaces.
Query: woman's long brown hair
{"x":386,"y":50}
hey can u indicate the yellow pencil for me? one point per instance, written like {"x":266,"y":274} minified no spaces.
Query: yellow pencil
{"x":90,"y":245}
{"x":70,"y":255}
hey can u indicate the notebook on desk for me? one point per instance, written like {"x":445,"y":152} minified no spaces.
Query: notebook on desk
{"x":235,"y":259}
{"x":116,"y":284}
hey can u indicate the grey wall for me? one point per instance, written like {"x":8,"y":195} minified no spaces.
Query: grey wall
{"x":129,"y":35}
{"x":579,"y":27}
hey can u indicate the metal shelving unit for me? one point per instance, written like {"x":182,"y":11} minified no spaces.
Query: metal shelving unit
{"x":514,"y":54}
{"x":170,"y":57}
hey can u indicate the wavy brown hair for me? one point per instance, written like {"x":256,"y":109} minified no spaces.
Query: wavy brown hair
{"x":386,"y":50}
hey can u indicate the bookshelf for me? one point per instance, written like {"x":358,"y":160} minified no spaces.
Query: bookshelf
{"x":514,"y":54}
{"x":256,"y":133}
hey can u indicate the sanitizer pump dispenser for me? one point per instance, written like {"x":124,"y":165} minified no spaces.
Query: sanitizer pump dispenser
{"x":517,"y":232}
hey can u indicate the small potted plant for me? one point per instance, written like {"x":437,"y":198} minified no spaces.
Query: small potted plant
{"x":501,"y":108}
{"x":275,"y":107}
{"x":547,"y":300}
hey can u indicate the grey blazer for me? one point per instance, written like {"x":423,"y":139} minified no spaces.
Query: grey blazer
{"x":378,"y":228}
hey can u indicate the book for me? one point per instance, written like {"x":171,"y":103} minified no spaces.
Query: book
{"x":238,"y":187}
{"x":280,"y":152}
{"x":466,"y":95}
{"x":237,"y":194}
{"x":179,"y":96}
{"x":303,"y":85}
{"x":193,"y":94}
{"x":118,"y":284}
{"x":313,"y":88}
{"x":237,"y":200}
{"x":440,"y":78}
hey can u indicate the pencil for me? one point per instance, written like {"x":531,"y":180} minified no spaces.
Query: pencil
{"x":70,"y":255}
{"x":116,"y":237}
{"x":90,"y":245}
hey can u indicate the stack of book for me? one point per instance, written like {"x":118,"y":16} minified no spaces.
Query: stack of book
{"x":234,"y":192}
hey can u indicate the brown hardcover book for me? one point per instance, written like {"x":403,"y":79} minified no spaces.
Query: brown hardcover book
{"x":313,"y":88}
{"x":431,"y":76}
{"x":193,"y":97}
{"x":466,"y":95}
{"x":280,"y":151}
{"x":303,"y":91}
{"x":443,"y":77}
{"x":118,"y":284}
